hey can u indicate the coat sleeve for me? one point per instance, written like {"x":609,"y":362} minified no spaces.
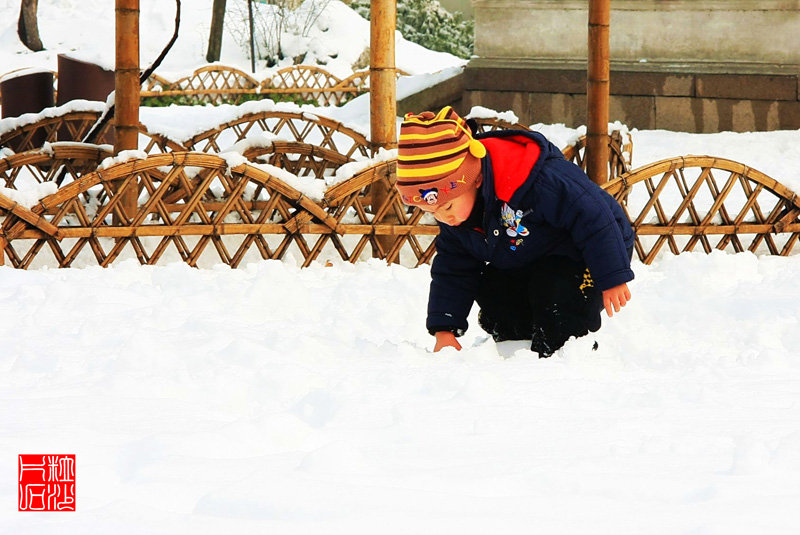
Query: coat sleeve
{"x":567,"y":199}
{"x":455,"y":276}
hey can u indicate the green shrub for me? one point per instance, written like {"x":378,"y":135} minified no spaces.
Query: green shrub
{"x":428,"y":24}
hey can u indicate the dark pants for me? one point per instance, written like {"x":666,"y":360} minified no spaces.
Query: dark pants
{"x":543,"y":302}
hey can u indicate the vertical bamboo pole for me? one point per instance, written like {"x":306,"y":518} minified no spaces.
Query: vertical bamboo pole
{"x":383,"y":93}
{"x":2,"y":248}
{"x":126,"y":82}
{"x":598,"y":90}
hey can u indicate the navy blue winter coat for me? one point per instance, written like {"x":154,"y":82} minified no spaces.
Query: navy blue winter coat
{"x":556,"y":211}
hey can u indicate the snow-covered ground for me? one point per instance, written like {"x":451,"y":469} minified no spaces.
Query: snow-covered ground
{"x":288,"y":400}
{"x":274,"y":399}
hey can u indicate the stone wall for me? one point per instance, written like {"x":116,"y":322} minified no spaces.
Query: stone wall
{"x":676,"y":64}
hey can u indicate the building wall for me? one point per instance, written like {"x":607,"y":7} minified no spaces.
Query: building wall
{"x":463,"y":6}
{"x":678,"y":64}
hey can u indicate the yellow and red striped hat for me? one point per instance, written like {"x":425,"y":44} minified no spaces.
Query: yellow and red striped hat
{"x":438,"y":159}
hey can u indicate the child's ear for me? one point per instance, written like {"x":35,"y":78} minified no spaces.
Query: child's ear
{"x":479,"y":180}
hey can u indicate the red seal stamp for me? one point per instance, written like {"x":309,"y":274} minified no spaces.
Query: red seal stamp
{"x":46,"y":482}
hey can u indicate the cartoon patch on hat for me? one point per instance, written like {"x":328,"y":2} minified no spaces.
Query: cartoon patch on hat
{"x":430,"y":196}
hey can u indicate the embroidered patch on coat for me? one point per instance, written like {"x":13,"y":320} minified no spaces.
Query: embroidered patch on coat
{"x":511,"y":220}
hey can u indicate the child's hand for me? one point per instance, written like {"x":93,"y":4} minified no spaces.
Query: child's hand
{"x":616,"y":298}
{"x":446,"y":339}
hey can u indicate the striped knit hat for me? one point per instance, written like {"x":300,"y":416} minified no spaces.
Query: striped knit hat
{"x":438,"y":159}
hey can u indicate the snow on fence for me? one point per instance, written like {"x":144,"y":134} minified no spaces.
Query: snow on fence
{"x":700,"y":202}
{"x":275,"y":198}
{"x":194,"y":203}
{"x":298,"y":126}
{"x":70,"y":122}
{"x":620,"y":144}
{"x":216,"y":84}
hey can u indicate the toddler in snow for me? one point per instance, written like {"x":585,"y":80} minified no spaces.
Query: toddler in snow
{"x":525,"y":233}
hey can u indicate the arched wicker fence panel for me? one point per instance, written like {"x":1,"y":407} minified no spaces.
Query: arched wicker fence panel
{"x":619,"y":154}
{"x":300,"y":127}
{"x":218,"y":84}
{"x":73,"y":126}
{"x":702,"y":202}
{"x":301,"y":159}
{"x":312,"y":83}
{"x":402,"y":229}
{"x":63,"y":162}
{"x":212,"y":84}
{"x":191,"y":203}
{"x":309,"y":83}
{"x":186,"y":202}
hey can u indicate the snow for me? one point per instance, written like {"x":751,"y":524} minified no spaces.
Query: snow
{"x":274,"y":397}
{"x":411,"y":85}
{"x":30,"y":196}
{"x":309,"y":186}
{"x":11,"y":123}
{"x":277,"y":399}
{"x":351,"y":169}
{"x":481,"y":112}
{"x":197,"y":120}
{"x":122,"y":157}
{"x":335,"y":40}
{"x":23,"y":72}
{"x":262,"y":140}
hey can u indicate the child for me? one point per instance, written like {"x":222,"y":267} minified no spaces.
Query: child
{"x":526,"y":234}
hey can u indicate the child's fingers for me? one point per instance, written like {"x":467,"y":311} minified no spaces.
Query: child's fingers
{"x":607,"y":305}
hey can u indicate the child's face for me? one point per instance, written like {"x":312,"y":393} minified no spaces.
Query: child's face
{"x":455,"y":211}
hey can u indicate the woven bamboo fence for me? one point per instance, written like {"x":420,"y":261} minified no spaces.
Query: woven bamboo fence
{"x":311,"y":83}
{"x":212,"y":84}
{"x":73,"y":126}
{"x":334,"y":144}
{"x":195,"y":203}
{"x":319,"y":143}
{"x":70,"y":126}
{"x":301,"y":127}
{"x":301,"y":159}
{"x":619,"y":155}
{"x":218,"y":84}
{"x":72,"y":160}
{"x":191,"y":204}
{"x":706,"y":203}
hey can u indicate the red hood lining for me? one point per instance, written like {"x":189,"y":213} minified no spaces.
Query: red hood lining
{"x":512,"y":158}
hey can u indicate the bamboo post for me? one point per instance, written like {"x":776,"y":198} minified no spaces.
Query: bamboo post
{"x":598,"y":90}
{"x":383,"y":94}
{"x":126,"y":81}
{"x":2,"y":247}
